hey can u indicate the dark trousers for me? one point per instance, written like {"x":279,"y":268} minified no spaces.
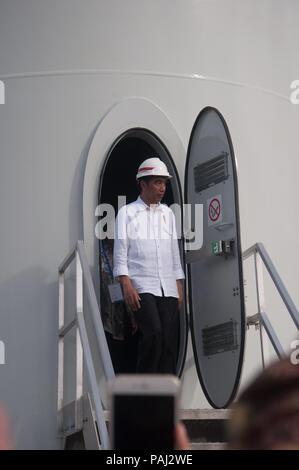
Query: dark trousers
{"x":158,"y":324}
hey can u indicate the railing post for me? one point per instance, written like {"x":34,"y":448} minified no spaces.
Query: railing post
{"x":102,"y":342}
{"x":261,"y":304}
{"x":79,"y":350}
{"x":93,"y":385}
{"x":60,"y":351}
{"x":272,"y":336}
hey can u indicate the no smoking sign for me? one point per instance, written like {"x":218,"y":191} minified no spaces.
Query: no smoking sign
{"x":214,"y":206}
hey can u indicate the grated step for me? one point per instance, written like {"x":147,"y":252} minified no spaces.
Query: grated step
{"x":206,"y":428}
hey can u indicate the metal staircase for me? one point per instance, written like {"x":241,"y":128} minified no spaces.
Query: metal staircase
{"x":261,"y":319}
{"x":206,"y":428}
{"x":82,"y":424}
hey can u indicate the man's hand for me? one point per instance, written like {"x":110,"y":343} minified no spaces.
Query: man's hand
{"x":131,"y":296}
{"x":180,"y":291}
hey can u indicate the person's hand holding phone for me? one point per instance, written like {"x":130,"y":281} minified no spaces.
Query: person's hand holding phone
{"x":144,"y":411}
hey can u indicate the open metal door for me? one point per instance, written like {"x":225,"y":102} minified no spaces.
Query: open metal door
{"x":215,"y":279}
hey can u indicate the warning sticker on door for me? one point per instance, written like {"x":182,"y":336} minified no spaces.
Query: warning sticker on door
{"x":214,"y":206}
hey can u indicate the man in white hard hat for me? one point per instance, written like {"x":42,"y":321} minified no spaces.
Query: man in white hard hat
{"x":147,"y":260}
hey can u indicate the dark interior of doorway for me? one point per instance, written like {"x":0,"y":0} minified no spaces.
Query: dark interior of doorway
{"x":119,"y":178}
{"x":121,"y":168}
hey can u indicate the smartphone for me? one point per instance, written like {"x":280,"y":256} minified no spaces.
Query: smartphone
{"x":144,"y":411}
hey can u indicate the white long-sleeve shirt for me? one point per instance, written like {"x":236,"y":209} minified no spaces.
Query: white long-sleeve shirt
{"x":146,"y":248}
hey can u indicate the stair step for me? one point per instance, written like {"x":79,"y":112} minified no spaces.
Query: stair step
{"x":206,"y":428}
{"x":207,"y":414}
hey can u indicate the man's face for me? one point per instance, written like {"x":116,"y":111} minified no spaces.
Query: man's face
{"x":154,"y":189}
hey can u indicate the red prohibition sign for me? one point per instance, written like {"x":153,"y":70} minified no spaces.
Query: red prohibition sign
{"x":214,"y":209}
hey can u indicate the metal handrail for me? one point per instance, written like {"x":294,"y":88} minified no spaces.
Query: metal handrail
{"x":83,"y":273}
{"x":97,"y":321}
{"x":272,"y":335}
{"x":258,"y":248}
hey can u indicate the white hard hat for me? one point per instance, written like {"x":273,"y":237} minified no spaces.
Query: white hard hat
{"x":152,"y":167}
